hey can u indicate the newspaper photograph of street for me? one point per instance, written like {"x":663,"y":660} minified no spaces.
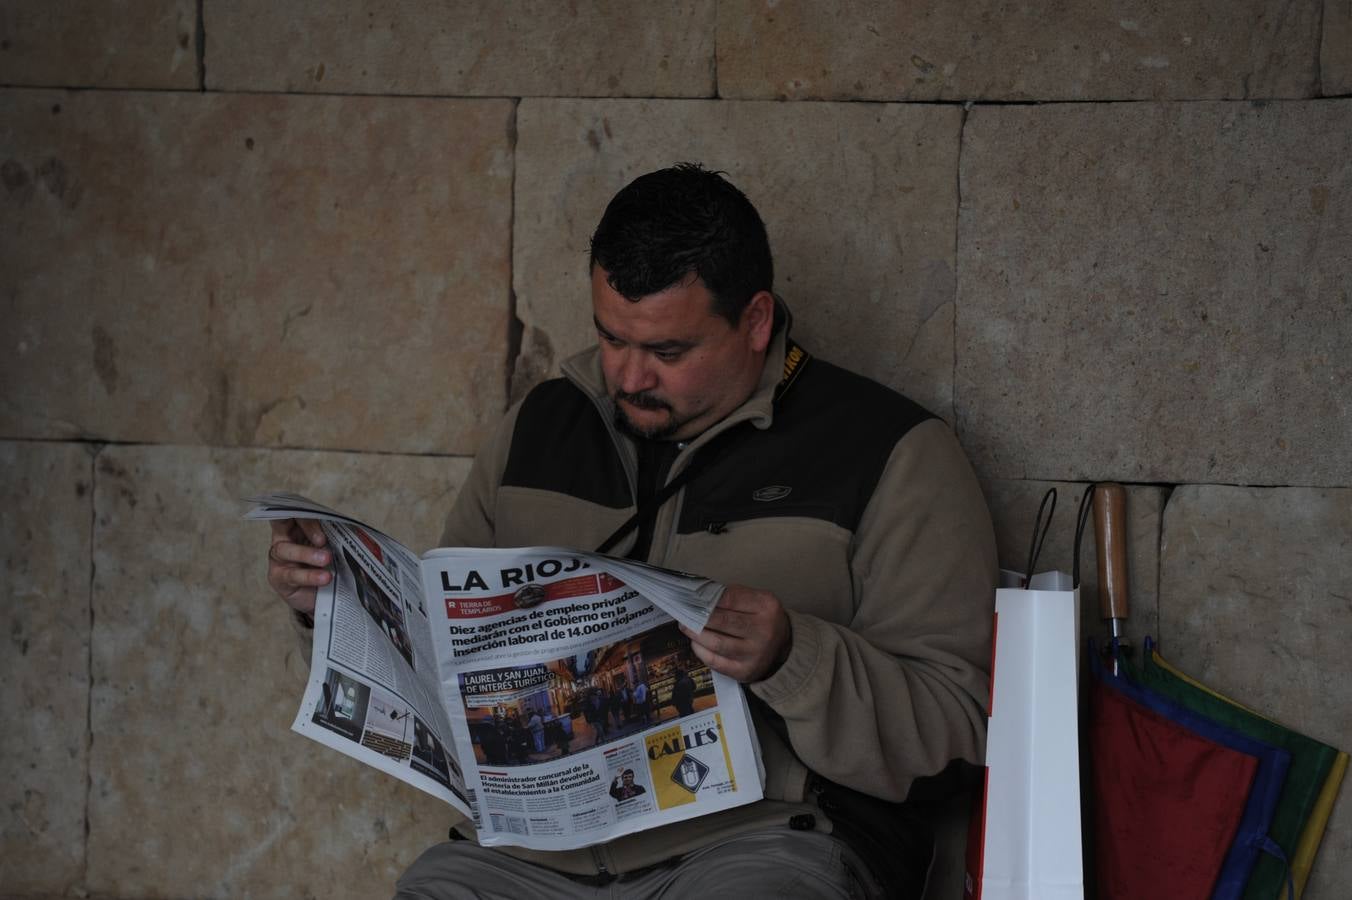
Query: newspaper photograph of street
{"x":533,"y":714}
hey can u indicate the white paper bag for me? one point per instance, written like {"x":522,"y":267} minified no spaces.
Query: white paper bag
{"x":1024,"y":838}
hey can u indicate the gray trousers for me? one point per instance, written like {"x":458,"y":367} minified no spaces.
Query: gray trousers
{"x":775,"y":863}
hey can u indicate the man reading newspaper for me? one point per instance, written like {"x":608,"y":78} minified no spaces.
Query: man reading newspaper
{"x":844,"y":518}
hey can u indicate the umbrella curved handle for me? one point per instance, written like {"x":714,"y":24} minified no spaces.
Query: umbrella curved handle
{"x":1110,"y":532}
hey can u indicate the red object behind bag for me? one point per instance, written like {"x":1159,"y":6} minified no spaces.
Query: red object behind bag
{"x":1167,"y":802}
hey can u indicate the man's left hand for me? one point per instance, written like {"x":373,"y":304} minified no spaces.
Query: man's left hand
{"x":747,"y":637}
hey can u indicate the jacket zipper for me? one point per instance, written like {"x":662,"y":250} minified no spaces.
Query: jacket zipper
{"x":631,"y":473}
{"x":600,"y":863}
{"x":674,"y":519}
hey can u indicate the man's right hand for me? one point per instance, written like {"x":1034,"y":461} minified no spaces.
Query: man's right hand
{"x":297,"y":563}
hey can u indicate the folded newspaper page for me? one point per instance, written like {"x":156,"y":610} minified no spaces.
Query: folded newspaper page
{"x":545,"y":693}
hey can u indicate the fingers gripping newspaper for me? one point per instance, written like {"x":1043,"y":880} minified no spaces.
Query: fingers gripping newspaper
{"x":545,"y":693}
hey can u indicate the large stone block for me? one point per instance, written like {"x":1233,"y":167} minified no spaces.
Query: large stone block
{"x":45,"y":514}
{"x":990,"y":50}
{"x":464,"y":48}
{"x":255,"y":270}
{"x":99,"y":43}
{"x":859,"y":201}
{"x":1014,"y":506}
{"x":198,"y":673}
{"x":1255,"y":603}
{"x":1335,"y":53}
{"x":1157,"y":293}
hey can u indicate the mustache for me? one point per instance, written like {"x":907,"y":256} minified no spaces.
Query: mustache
{"x":643,"y":400}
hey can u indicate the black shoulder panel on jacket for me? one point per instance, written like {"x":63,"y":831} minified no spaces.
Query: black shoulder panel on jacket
{"x":832,"y":435}
{"x":561,"y":444}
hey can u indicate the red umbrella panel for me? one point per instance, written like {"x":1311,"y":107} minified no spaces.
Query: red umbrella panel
{"x":1181,"y":805}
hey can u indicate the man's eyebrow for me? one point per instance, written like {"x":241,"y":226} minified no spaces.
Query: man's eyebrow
{"x":654,"y":346}
{"x":668,"y":345}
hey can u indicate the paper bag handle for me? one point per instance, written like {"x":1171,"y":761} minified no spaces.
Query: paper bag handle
{"x":1043,"y":522}
{"x":1110,"y":532}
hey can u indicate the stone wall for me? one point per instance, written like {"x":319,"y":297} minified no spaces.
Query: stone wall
{"x":322,"y":245}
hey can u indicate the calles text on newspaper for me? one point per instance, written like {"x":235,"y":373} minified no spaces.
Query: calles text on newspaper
{"x":679,"y":744}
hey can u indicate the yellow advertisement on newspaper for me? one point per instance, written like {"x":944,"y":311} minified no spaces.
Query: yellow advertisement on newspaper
{"x":689,"y":758}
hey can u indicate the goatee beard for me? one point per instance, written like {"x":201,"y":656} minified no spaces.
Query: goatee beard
{"x":626,"y":426}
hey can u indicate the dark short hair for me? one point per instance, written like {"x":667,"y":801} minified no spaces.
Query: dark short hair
{"x":667,"y":225}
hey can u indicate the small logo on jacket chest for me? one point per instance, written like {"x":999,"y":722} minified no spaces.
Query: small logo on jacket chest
{"x":770,"y":493}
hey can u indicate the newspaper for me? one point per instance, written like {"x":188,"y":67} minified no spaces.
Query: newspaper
{"x":545,"y":693}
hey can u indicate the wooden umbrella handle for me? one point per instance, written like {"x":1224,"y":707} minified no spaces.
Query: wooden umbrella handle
{"x":1110,"y":533}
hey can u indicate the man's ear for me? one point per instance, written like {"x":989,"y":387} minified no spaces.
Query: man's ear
{"x":758,"y":318}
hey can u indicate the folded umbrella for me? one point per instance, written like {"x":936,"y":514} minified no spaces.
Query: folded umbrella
{"x":1180,"y":806}
{"x":1316,"y":771}
{"x":1166,"y":802}
{"x":1251,"y":837}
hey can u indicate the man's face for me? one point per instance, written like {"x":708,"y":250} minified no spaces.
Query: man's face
{"x":628,"y":779}
{"x":672,"y":365}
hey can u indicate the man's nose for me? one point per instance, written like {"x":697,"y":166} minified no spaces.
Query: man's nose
{"x":635,"y":372}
